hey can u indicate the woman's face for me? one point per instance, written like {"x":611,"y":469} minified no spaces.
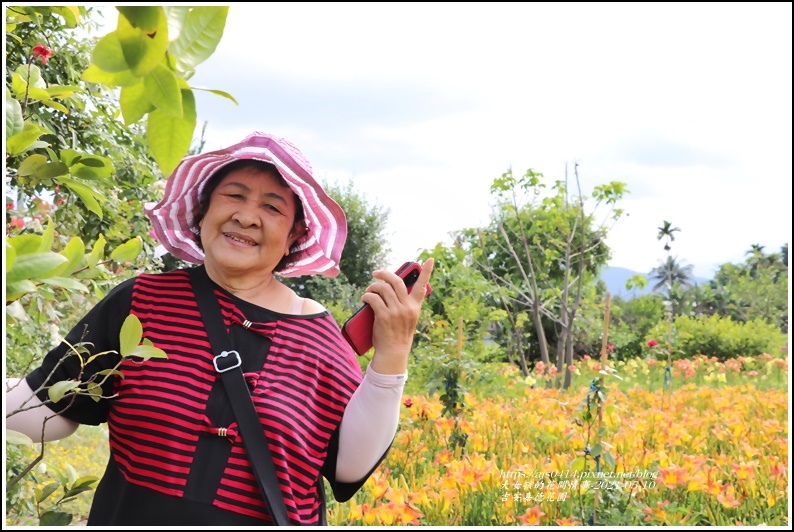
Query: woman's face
{"x":248,"y":225}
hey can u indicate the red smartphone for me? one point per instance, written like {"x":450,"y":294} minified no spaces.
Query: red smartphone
{"x":357,"y":330}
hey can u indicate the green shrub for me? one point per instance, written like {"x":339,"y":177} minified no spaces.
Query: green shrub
{"x":491,"y":352}
{"x":631,"y":322}
{"x":720,"y":337}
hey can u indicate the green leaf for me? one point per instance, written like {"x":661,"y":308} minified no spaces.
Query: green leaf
{"x":108,"y":55}
{"x":109,"y":371}
{"x":62,"y":91}
{"x":97,"y":252}
{"x":60,"y":388}
{"x":31,"y":76}
{"x":81,"y":485}
{"x":17,"y":438}
{"x":94,"y":391}
{"x":125,"y":78}
{"x":55,"y":105}
{"x":55,"y":518}
{"x":218,"y":92}
{"x":199,"y":36}
{"x":34,"y":266}
{"x":16,"y":290}
{"x":65,"y":282}
{"x":162,"y":89}
{"x":146,"y":352}
{"x":609,"y":460}
{"x":94,"y":161}
{"x":92,"y":167}
{"x":130,"y":336}
{"x":74,"y":252}
{"x":144,"y":17}
{"x":47,"y":237}
{"x":70,"y":157}
{"x":20,"y":142}
{"x":24,"y":244}
{"x":578,"y":464}
{"x":143,"y":49}
{"x":14,"y":121}
{"x":70,"y":15}
{"x":27,"y":78}
{"x":46,"y":491}
{"x":596,"y":450}
{"x":134,"y":103}
{"x":170,"y":138}
{"x":40,"y":167}
{"x":11,"y":255}
{"x":86,"y":194}
{"x":85,"y":481}
{"x":176,"y":16}
{"x":128,"y":251}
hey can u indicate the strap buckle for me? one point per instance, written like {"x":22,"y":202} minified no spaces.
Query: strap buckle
{"x":227,"y":360}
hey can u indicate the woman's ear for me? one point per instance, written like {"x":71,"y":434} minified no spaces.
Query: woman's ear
{"x":298,"y":230}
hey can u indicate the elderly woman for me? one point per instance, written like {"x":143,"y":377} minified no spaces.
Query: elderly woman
{"x":248,"y":214}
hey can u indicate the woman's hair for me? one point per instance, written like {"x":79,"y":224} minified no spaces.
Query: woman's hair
{"x":266,"y":168}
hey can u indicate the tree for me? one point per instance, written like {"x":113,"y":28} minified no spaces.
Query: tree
{"x":673,"y":277}
{"x":541,"y":253}
{"x":756,"y":289}
{"x":670,"y":273}
{"x":666,"y":232}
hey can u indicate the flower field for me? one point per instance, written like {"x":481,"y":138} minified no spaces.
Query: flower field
{"x":711,"y":449}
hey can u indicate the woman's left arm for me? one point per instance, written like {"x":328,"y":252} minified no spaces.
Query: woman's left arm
{"x":368,"y":425}
{"x":371,"y":417}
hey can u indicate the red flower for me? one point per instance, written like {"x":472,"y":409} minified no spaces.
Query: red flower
{"x":652,"y":343}
{"x":408,"y":403}
{"x":17,"y":222}
{"x":611,"y":347}
{"x":42,"y":52}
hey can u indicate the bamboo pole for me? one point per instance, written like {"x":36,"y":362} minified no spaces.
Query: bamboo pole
{"x":604,"y":357}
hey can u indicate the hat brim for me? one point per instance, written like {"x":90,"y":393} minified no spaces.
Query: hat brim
{"x":326,"y":225}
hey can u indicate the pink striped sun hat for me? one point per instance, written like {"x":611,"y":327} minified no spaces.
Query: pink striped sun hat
{"x":326,"y":225}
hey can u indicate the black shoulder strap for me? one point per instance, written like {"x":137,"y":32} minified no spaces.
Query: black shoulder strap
{"x":227,"y":363}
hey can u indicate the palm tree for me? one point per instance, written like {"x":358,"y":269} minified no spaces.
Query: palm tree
{"x":674,"y":277}
{"x":671,"y":273}
{"x":666,"y":231}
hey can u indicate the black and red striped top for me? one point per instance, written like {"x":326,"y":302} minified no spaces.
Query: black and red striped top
{"x":168,"y":463}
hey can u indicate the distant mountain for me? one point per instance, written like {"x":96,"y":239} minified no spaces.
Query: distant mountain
{"x":615,"y":279}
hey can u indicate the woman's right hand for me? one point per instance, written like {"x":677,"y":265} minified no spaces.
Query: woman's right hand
{"x":396,"y":315}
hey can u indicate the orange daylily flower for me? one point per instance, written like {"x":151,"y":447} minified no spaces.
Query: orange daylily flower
{"x":532,"y":516}
{"x":567,"y":521}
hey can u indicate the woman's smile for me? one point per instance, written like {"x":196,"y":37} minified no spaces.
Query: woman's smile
{"x":239,"y":240}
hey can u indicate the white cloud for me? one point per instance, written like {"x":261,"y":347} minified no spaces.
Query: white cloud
{"x":422,"y":105}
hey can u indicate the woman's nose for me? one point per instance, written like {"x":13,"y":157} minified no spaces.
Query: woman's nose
{"x":247,"y":214}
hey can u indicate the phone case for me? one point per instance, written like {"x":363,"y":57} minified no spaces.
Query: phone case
{"x":357,"y":330}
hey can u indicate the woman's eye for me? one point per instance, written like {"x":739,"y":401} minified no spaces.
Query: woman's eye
{"x":235,"y":196}
{"x":270,"y":207}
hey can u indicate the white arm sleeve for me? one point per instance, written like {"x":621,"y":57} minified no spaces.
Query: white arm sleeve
{"x":368,"y":424}
{"x":29,"y":422}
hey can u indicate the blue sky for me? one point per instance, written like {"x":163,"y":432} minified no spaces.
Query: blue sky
{"x":423,"y":105}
